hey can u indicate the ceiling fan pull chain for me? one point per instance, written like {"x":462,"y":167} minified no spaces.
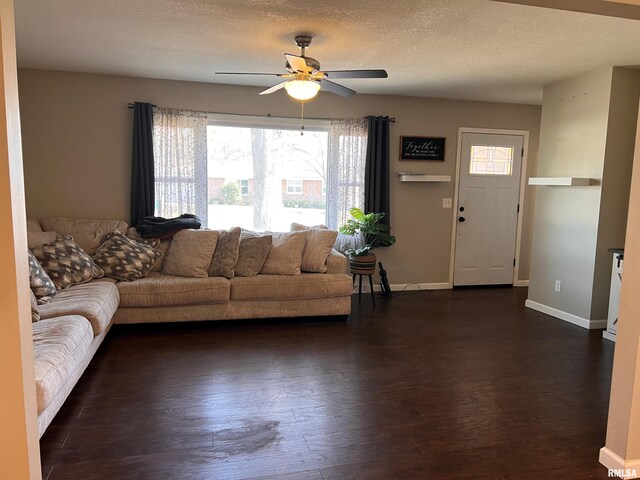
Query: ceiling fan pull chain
{"x":302,"y":119}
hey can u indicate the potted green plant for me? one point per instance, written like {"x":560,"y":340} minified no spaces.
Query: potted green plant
{"x":370,"y":233}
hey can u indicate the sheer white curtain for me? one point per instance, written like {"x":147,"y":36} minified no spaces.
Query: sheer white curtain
{"x":346,"y":167}
{"x":180,"y":162}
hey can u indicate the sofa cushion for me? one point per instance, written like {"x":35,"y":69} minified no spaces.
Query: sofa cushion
{"x":89,"y":234}
{"x":190,"y":253}
{"x":226,"y":255}
{"x":160,"y":290}
{"x":41,"y":284}
{"x":96,"y":301}
{"x":252,"y":254}
{"x":279,"y":287}
{"x":60,"y":347}
{"x":285,"y":256}
{"x":126,"y":259}
{"x":67,"y":263}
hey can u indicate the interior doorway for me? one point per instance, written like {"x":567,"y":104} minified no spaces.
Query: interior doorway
{"x":487,"y":207}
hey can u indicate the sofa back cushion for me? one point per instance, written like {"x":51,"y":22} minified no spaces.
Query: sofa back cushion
{"x":190,"y":253}
{"x":37,"y":239}
{"x":33,"y":225}
{"x":88,"y":234}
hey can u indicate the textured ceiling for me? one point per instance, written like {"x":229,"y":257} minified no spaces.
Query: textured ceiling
{"x":465,"y":49}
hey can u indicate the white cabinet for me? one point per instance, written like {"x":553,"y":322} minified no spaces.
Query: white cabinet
{"x":614,"y":294}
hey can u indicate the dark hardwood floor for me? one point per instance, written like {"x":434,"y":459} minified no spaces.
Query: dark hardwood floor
{"x":463,"y":384}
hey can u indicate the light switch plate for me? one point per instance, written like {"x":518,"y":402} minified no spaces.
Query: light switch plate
{"x":446,"y":203}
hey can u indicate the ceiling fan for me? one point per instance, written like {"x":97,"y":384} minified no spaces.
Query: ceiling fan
{"x":304,"y":78}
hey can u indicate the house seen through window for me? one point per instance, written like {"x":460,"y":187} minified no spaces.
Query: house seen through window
{"x":265,"y":178}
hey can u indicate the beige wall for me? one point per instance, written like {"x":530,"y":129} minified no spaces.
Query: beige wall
{"x":573,"y":132}
{"x":616,"y":180}
{"x":77,"y":149}
{"x":586,"y":124}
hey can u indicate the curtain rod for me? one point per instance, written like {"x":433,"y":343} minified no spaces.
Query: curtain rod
{"x":268,"y":115}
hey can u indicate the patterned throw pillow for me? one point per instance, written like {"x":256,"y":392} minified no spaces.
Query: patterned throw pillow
{"x":254,"y":249}
{"x":225,"y":256}
{"x":35,"y":313}
{"x":66,"y":263}
{"x":41,"y":285}
{"x":126,"y":259}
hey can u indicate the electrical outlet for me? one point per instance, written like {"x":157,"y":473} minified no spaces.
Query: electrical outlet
{"x":446,"y":203}
{"x":558,"y":283}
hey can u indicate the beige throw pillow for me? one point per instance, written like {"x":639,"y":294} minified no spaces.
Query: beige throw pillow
{"x":190,"y":253}
{"x":252,"y":254}
{"x":285,"y":256}
{"x":226,"y":255}
{"x":320,"y":241}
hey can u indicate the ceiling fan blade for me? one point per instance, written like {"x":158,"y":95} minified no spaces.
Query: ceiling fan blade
{"x":297,"y":63}
{"x":356,"y":74}
{"x":275,"y":88}
{"x":249,"y":73}
{"x":338,"y":89}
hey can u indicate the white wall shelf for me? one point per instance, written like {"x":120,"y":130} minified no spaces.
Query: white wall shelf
{"x":422,"y":177}
{"x":561,"y":181}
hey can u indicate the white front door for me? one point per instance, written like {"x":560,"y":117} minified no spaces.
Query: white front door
{"x":487,"y":210}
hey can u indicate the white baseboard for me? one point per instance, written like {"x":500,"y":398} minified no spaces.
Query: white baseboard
{"x":521,"y":283}
{"x":618,"y":466}
{"x":567,"y":317}
{"x":609,"y":336}
{"x":403,"y":287}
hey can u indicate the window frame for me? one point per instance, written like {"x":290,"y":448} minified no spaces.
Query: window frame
{"x":295,"y":186}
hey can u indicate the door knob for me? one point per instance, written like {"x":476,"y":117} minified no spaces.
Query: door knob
{"x":461,"y":219}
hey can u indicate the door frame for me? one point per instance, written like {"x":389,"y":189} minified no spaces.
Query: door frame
{"x":523,"y":177}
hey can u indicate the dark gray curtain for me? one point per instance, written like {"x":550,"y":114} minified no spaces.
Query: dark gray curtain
{"x":376,"y":176}
{"x":142,"y":174}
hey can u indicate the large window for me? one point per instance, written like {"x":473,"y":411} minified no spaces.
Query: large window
{"x":266,"y":176}
{"x":259,"y":173}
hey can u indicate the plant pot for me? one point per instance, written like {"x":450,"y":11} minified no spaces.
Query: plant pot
{"x":363,"y":264}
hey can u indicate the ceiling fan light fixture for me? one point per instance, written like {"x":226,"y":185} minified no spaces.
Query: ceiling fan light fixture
{"x":301,"y":89}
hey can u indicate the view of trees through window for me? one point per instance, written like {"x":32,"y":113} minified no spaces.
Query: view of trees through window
{"x":266,"y":178}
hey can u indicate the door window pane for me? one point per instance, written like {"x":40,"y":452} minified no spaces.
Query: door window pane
{"x":491,"y":160}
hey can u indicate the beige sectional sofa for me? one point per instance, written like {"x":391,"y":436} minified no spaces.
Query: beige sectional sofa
{"x":74,"y":324}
